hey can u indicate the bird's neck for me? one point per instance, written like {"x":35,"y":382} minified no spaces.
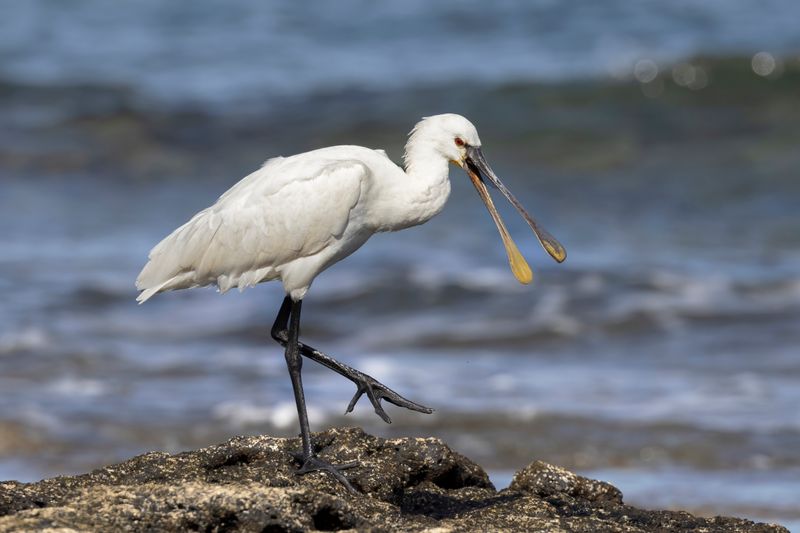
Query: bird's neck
{"x":422,"y":192}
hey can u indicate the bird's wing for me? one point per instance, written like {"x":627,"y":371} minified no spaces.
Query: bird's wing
{"x":286,"y":210}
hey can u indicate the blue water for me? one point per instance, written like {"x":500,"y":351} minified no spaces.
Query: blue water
{"x":253,"y":51}
{"x":662,"y":356}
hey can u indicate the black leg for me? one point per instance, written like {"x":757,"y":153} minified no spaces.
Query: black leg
{"x":375,"y":390}
{"x":281,"y":326}
{"x":295,"y":364}
{"x":309,"y":462}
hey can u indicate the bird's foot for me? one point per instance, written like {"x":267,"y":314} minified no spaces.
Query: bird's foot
{"x":313,"y":463}
{"x":377,"y":391}
{"x":374,"y":389}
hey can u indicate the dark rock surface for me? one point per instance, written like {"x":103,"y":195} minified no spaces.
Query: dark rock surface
{"x":248,"y":484}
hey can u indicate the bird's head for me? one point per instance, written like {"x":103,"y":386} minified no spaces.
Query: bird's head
{"x":455,"y":138}
{"x":449,"y":135}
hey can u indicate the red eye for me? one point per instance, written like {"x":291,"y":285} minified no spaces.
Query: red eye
{"x":459,"y":141}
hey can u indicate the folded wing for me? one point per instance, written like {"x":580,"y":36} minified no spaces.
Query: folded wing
{"x":289,"y":209}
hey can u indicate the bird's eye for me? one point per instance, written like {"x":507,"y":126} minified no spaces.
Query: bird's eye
{"x":459,"y":141}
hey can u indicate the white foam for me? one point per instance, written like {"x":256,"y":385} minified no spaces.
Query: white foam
{"x":76,"y":387}
{"x":282,"y":415}
{"x":378,"y":366}
{"x":28,"y":339}
{"x":36,"y":417}
{"x":503,"y":382}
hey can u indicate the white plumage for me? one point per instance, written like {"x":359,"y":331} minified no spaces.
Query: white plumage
{"x":272,"y":224}
{"x":295,"y":216}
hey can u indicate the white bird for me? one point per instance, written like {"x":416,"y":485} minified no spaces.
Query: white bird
{"x":296,"y":216}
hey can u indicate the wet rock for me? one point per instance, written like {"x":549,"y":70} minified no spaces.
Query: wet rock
{"x":410,"y":484}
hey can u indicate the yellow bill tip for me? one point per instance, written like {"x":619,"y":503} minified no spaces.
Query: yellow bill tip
{"x":522,"y":272}
{"x":519,"y":267}
{"x":555,"y":250}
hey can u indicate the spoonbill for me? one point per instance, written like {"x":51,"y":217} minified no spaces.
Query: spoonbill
{"x":296,"y":216}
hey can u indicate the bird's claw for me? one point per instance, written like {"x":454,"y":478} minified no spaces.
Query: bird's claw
{"x":315,"y":464}
{"x":377,"y":391}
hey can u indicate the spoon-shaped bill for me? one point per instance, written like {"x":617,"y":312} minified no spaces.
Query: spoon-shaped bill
{"x":476,"y":164}
{"x":518,"y":264}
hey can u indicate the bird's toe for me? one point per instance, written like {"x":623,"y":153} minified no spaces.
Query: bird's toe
{"x":315,"y":464}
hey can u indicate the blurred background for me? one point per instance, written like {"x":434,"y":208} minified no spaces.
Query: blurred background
{"x":657,"y":140}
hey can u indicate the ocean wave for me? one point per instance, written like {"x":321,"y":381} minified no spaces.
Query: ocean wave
{"x":283,"y":415}
{"x":573,"y":305}
{"x":111,"y":130}
{"x":26,"y":340}
{"x":157,"y":48}
{"x":469,"y":308}
{"x":75,"y":387}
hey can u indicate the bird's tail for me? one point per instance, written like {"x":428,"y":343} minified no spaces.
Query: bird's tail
{"x":180,"y":281}
{"x":150,"y":292}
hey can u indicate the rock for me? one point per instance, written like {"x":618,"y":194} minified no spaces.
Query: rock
{"x":410,"y":484}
